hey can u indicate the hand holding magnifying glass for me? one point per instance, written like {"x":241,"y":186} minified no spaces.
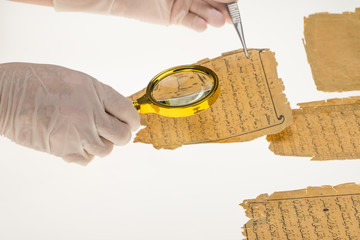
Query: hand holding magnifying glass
{"x":74,"y":116}
{"x":180,"y":91}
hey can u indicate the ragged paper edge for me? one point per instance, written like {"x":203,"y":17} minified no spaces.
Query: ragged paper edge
{"x":330,"y":102}
{"x":306,"y":19}
{"x":307,"y":50}
{"x":325,"y":190}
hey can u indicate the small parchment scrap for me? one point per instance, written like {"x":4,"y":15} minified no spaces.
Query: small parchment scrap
{"x":324,"y":130}
{"x":314,"y":213}
{"x":251,"y":104}
{"x":332,"y":43}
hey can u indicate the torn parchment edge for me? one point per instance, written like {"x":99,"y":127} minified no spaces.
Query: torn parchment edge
{"x":309,"y":192}
{"x":330,"y":102}
{"x":306,"y":19}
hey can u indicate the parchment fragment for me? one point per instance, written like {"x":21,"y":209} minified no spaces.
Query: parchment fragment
{"x":333,"y":50}
{"x":314,"y":213}
{"x":322,"y":130}
{"x":251,"y":104}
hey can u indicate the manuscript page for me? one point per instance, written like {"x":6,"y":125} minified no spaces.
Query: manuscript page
{"x":325,"y":130}
{"x":314,"y":213}
{"x":333,"y":50}
{"x":251,"y":104}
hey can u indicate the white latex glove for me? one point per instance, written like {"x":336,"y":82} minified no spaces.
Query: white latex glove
{"x":63,"y":112}
{"x":195,"y":14}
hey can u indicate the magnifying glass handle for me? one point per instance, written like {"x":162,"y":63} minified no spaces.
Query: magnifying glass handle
{"x":143,"y":105}
{"x":136,"y":105}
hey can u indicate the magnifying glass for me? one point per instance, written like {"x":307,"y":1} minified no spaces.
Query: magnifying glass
{"x":180,"y":92}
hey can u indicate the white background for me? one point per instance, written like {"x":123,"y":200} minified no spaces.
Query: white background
{"x":138,"y":192}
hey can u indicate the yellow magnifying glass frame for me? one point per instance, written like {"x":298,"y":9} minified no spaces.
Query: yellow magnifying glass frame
{"x":147,"y":103}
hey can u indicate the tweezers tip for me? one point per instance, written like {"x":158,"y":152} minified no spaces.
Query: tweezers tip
{"x":246,"y":53}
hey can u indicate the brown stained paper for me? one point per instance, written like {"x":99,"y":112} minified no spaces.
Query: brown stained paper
{"x":251,"y":104}
{"x":323,"y":130}
{"x":314,"y":213}
{"x":333,"y":50}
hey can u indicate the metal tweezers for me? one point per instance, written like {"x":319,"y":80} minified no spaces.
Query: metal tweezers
{"x":235,"y":16}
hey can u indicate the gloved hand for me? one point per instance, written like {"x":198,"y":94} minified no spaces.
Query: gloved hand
{"x":63,"y":112}
{"x":195,"y":14}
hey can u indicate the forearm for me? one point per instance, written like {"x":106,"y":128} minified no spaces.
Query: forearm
{"x":38,"y":2}
{"x":195,"y":14}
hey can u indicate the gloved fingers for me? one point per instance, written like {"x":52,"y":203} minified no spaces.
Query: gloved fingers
{"x":81,"y":159}
{"x":115,"y":131}
{"x":225,"y":1}
{"x":209,"y":13}
{"x":101,"y":147}
{"x":120,"y":107}
{"x":222,"y":7}
{"x":65,"y":141}
{"x":194,"y":22}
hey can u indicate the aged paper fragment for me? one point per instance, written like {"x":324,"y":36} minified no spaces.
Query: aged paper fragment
{"x":332,"y":43}
{"x":314,"y":213}
{"x":324,"y":130}
{"x":251,"y":104}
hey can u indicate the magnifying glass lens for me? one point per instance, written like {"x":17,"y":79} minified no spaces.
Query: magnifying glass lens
{"x":183,"y":88}
{"x":180,"y":92}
